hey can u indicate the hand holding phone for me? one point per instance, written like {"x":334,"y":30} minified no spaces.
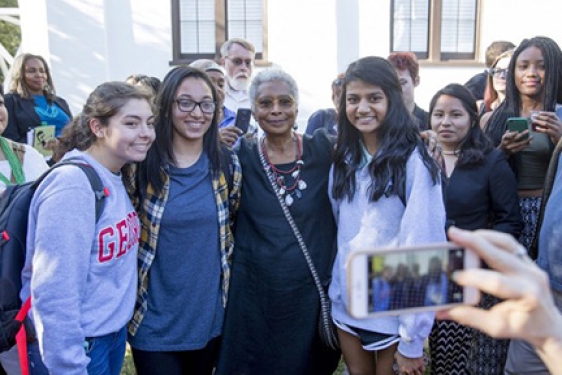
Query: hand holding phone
{"x":243,"y":116}
{"x":394,"y":281}
{"x":527,"y":311}
{"x":519,"y":124}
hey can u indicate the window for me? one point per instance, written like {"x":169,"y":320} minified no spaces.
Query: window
{"x":200,"y":27}
{"x":435,"y":30}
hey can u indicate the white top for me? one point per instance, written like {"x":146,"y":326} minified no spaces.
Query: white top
{"x":33,"y":166}
{"x":363,"y":224}
{"x":236,"y":99}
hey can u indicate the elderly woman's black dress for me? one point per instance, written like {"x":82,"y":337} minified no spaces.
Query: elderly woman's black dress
{"x":271,"y":323}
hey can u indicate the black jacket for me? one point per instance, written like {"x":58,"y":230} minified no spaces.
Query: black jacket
{"x":22,"y":116}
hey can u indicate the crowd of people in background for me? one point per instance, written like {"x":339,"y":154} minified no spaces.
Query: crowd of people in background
{"x":220,"y":248}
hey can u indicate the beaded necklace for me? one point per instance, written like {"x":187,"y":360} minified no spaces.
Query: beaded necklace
{"x":281,"y":176}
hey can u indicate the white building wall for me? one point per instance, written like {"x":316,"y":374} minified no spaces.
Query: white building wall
{"x":302,"y":41}
{"x":87,"y":42}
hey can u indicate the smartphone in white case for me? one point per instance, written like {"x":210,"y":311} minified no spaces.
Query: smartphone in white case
{"x":401,"y":280}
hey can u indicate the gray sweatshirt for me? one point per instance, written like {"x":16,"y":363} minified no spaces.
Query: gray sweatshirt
{"x":364,"y":225}
{"x":82,"y":275}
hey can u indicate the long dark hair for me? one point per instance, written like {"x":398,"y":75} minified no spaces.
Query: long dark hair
{"x":475,"y":144}
{"x":397,"y":137}
{"x":511,"y":106}
{"x":161,"y":153}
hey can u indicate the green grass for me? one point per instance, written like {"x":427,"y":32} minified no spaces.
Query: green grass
{"x":128,"y":366}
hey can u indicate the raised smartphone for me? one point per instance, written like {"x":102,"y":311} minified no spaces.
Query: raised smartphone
{"x":243,"y":116}
{"x":400,"y":280}
{"x":519,"y":124}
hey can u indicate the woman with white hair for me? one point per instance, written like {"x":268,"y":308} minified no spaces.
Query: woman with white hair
{"x":271,"y":323}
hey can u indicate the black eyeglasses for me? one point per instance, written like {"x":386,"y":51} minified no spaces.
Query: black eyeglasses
{"x":186,"y":105}
{"x":238,"y":61}
{"x":497,"y":72}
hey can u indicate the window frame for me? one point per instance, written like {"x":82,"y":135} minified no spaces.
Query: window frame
{"x":221,"y":18}
{"x":434,"y":54}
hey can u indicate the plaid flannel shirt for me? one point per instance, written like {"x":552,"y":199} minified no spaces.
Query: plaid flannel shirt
{"x":151,"y":214}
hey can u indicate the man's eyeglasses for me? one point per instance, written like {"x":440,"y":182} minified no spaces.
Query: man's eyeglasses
{"x":238,"y":61}
{"x":186,"y":105}
{"x":497,"y":72}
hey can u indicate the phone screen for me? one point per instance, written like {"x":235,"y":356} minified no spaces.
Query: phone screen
{"x":404,"y":280}
{"x":243,"y":116}
{"x":518,"y":124}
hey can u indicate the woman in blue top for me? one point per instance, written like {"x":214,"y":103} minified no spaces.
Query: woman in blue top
{"x":186,"y":192}
{"x":32,"y":100}
{"x":385,"y":190}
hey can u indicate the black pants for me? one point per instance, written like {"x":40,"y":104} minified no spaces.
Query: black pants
{"x":189,"y":362}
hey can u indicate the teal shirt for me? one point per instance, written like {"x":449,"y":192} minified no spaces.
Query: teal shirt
{"x":51,"y":114}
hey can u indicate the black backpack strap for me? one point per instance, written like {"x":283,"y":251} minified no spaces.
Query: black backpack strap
{"x":99,"y":190}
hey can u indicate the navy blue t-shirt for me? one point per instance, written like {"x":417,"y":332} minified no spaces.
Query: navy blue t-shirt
{"x":184,"y":296}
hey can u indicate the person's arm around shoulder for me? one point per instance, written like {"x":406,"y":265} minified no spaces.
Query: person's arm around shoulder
{"x":528,"y":311}
{"x":63,"y":225}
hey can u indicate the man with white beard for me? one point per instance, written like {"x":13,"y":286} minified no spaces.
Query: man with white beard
{"x":237,"y":57}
